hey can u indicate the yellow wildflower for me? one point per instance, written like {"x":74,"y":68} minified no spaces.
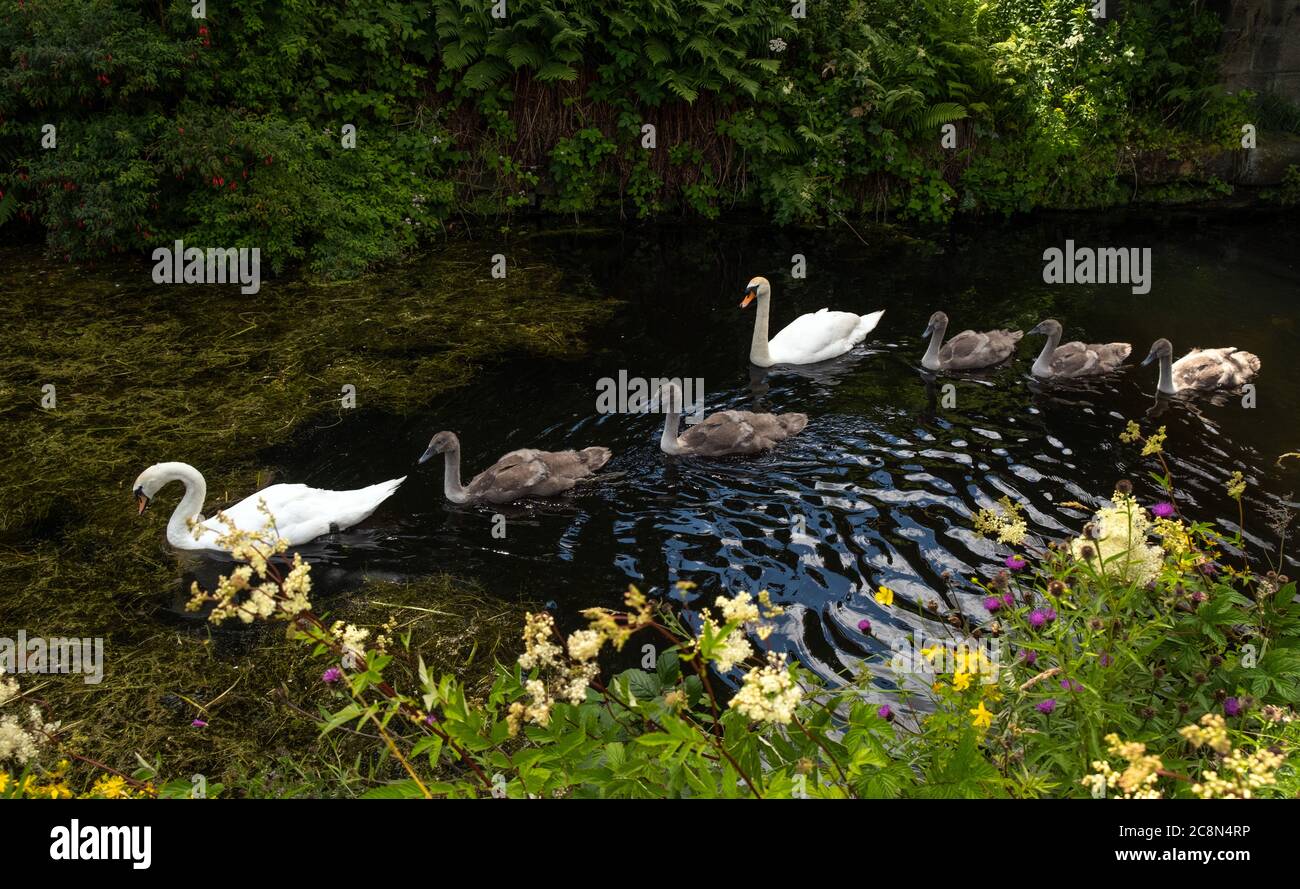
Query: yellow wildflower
{"x":1155,"y":443}
{"x":1236,"y":486}
{"x":961,"y":681}
{"x":983,"y":718}
{"x":885,"y":596}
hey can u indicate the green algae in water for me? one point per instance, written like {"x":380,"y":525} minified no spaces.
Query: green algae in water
{"x":144,"y":373}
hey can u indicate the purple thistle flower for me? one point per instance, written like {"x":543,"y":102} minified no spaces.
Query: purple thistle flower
{"x":331,"y":676}
{"x":1037,"y":618}
{"x":1014,"y":562}
{"x":1029,"y":657}
{"x":1050,"y":613}
{"x":1046,"y":706}
{"x":1071,"y":685}
{"x":1008,"y":599}
{"x":198,"y":723}
{"x":993,"y":603}
{"x":1162,"y":510}
{"x":885,"y":713}
{"x":1232,"y":706}
{"x":1105,"y":659}
{"x":865,"y":626}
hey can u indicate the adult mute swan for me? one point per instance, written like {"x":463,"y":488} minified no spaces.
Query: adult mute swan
{"x":301,"y":513}
{"x":725,"y":433}
{"x":518,"y":475}
{"x":1074,"y":359}
{"x":1201,"y":369}
{"x":968,"y":350}
{"x":808,"y":339}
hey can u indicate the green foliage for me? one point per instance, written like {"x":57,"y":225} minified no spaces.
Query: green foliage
{"x":459,"y":112}
{"x":576,"y":171}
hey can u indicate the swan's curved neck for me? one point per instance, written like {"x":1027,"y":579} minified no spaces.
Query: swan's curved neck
{"x":1043,"y":363}
{"x":668,"y":440}
{"x":931,"y":359}
{"x":451,"y":485}
{"x":758,"y":353}
{"x":1167,"y":375}
{"x":191,"y":505}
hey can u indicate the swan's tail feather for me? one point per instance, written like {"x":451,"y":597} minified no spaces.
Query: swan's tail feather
{"x":383,"y":490}
{"x":1113,"y":354}
{"x":793,"y":424}
{"x":594,"y":458}
{"x":866,"y":325}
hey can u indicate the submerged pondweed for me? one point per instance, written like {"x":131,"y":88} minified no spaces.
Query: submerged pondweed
{"x":144,"y":373}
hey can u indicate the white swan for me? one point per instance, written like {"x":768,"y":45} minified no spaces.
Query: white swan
{"x":301,"y":513}
{"x":1201,"y":369}
{"x":808,"y":339}
{"x":518,"y":475}
{"x":726,"y":433}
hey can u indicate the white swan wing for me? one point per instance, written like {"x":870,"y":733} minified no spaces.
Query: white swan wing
{"x":304,"y":513}
{"x":819,"y":336}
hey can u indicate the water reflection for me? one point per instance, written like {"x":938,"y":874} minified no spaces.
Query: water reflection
{"x":881,"y":486}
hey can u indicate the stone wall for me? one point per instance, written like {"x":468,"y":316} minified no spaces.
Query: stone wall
{"x":1261,"y":46}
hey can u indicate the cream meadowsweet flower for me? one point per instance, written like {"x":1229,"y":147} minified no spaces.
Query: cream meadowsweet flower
{"x":539,"y":709}
{"x":21,"y":739}
{"x":1116,"y":544}
{"x":540,"y":649}
{"x":351,"y":640}
{"x":739,"y":609}
{"x":574,"y":687}
{"x":584,"y":645}
{"x":768,"y":693}
{"x":730,"y":650}
{"x":1212,"y":732}
{"x":1137,"y":781}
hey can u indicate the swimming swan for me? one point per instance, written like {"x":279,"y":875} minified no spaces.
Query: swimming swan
{"x":808,"y":339}
{"x":1201,"y":369}
{"x":300,"y":513}
{"x":1074,"y":359}
{"x":725,"y":433}
{"x":968,"y":350}
{"x":520,"y":474}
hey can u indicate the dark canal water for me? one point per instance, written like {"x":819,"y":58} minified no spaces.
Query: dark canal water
{"x":881,"y":486}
